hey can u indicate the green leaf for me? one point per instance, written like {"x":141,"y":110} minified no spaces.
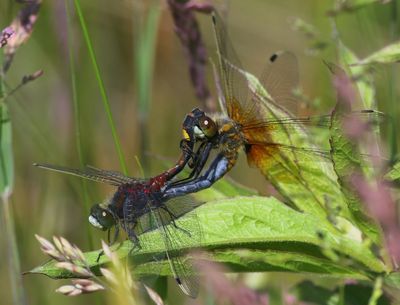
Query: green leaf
{"x":6,"y":153}
{"x":224,"y":188}
{"x":345,"y":153}
{"x":353,"y":294}
{"x":388,"y":55}
{"x":305,"y":179}
{"x":364,"y":80}
{"x":394,"y":173}
{"x":347,"y":161}
{"x":392,"y":280}
{"x":253,"y":234}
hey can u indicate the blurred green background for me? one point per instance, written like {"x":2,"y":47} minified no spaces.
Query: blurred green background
{"x":42,"y":112}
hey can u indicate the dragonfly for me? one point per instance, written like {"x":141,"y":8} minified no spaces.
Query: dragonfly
{"x":138,"y":207}
{"x":254,"y":119}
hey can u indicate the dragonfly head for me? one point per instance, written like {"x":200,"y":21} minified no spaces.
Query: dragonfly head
{"x":197,"y":125}
{"x":101,"y":217}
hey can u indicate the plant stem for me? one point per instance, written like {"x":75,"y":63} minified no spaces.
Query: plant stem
{"x":100,"y":82}
{"x":79,"y":144}
{"x":145,"y":26}
{"x":5,"y":193}
{"x":392,"y":87}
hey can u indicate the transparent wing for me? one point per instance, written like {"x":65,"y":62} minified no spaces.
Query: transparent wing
{"x":91,"y":173}
{"x":288,"y":158}
{"x":173,"y":209}
{"x":278,"y":144}
{"x":234,"y":85}
{"x":273,"y":132}
{"x":280,"y":78}
{"x":178,"y":236}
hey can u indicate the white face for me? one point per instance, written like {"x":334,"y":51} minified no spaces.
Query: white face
{"x":95,"y":223}
{"x":198,"y":132}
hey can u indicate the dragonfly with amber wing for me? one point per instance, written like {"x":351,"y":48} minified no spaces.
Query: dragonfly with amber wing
{"x":254,"y":118}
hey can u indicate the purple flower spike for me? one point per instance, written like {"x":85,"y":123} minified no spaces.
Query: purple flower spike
{"x":187,"y":29}
{"x":5,"y":36}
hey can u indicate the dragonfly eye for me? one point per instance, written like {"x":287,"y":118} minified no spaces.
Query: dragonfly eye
{"x":208,"y":126}
{"x":101,"y":218}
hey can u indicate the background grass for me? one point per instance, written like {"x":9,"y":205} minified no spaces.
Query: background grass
{"x":43,"y":112}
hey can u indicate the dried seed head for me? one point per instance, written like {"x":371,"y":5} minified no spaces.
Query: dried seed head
{"x":48,"y":248}
{"x":110,"y":254}
{"x":78,"y":270}
{"x":44,"y":243}
{"x":69,"y":290}
{"x":79,"y":286}
{"x":110,"y":276}
{"x":78,"y":254}
{"x":154,"y":296}
{"x":32,"y":77}
{"x":87,"y":286}
{"x":57,"y":243}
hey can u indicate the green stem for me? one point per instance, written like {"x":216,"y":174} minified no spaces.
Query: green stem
{"x":12,"y":252}
{"x":79,"y":143}
{"x":100,"y":82}
{"x":392,"y":87}
{"x":7,"y":218}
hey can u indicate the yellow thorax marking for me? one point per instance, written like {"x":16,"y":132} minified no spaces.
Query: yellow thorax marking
{"x":185,"y":135}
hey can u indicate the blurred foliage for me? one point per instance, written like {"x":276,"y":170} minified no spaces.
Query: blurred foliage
{"x":42,"y":113}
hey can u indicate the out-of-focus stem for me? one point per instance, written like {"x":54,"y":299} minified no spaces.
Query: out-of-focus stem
{"x":7,"y":218}
{"x":79,"y":144}
{"x":102,"y":89}
{"x":395,"y":126}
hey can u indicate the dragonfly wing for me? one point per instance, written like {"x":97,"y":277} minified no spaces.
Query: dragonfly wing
{"x":179,"y":237}
{"x":117,"y":176}
{"x":174,"y":209}
{"x":144,"y":213}
{"x":286,"y":157}
{"x":90,"y":173}
{"x":280,"y":78}
{"x":233,"y":84}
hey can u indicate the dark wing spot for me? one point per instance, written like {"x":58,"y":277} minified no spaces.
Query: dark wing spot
{"x":273,"y":57}
{"x":178,"y":280}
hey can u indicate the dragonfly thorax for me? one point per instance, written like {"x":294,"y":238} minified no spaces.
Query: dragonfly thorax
{"x":135,"y":199}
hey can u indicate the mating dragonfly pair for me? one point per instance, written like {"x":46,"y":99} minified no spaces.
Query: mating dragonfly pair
{"x":252,"y":119}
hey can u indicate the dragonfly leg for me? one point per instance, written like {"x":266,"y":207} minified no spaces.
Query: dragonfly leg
{"x":135,"y":240}
{"x":217,"y":170}
{"x":173,"y":217}
{"x":202,"y":155}
{"x":110,"y":242}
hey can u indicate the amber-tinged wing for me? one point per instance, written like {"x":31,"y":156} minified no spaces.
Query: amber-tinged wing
{"x":234,"y":85}
{"x":92,"y":173}
{"x":280,"y":146}
{"x":280,"y":78}
{"x":280,"y":151}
